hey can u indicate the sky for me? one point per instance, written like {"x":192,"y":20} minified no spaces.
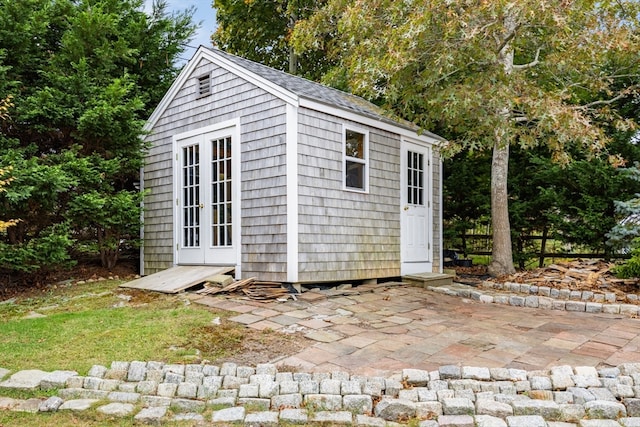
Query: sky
{"x":204,"y":14}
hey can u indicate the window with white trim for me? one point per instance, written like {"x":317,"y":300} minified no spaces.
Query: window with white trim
{"x":356,"y":159}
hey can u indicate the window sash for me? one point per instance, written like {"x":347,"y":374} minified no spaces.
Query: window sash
{"x":356,"y":169}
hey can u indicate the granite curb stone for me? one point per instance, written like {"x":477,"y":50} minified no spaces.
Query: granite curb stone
{"x":524,"y":295}
{"x":457,"y":396}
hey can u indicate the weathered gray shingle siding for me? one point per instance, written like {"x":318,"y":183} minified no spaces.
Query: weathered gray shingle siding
{"x":263,"y":172}
{"x":264,"y":210}
{"x":346,"y":235}
{"x":158,"y":205}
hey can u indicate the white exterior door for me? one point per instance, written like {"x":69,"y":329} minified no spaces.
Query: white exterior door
{"x":207,"y":188}
{"x":415,"y":215}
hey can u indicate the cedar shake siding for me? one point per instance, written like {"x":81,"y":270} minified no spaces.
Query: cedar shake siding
{"x":346,"y":235}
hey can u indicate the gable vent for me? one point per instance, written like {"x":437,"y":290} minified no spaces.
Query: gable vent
{"x":204,"y":85}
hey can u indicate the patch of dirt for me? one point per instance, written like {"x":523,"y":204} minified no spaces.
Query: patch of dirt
{"x":31,"y":285}
{"x":230,"y":342}
{"x":265,"y":347}
{"x":473,"y":276}
{"x":137,"y":297}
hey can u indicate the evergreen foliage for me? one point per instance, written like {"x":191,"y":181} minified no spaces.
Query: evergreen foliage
{"x":83,"y":76}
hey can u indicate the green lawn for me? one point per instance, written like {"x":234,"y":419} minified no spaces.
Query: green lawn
{"x":94,"y":324}
{"x":97,"y":323}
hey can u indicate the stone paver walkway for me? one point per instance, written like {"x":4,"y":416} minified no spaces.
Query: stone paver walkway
{"x":445,"y":357}
{"x":384,"y":328}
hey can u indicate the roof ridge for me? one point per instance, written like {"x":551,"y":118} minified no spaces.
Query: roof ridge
{"x":289,"y":75}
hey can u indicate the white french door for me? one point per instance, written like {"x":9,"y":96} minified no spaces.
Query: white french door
{"x":415,"y":215}
{"x":207,"y":197}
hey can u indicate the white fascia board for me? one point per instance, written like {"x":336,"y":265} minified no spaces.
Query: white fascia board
{"x":292,"y":193}
{"x":274,"y":89}
{"x":425,"y":137}
{"x":187,"y":71}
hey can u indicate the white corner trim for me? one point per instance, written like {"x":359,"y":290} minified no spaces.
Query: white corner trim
{"x":292,"y":193}
{"x":141,"y":178}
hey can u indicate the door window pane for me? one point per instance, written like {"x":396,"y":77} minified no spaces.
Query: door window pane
{"x":191,"y":196}
{"x":415,"y":178}
{"x":221,"y":185}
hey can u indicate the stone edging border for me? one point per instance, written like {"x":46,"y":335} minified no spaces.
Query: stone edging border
{"x":452,"y":396}
{"x":542,"y":297}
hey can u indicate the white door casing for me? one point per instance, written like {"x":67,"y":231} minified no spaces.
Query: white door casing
{"x":415,"y":208}
{"x":207,"y":196}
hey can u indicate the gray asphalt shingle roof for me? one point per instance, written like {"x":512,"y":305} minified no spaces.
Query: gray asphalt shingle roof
{"x":317,"y":92}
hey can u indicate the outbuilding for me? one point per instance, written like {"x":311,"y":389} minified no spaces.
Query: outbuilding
{"x":285,"y":179}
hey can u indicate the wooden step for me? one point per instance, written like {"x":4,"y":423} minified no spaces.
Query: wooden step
{"x":429,"y":279}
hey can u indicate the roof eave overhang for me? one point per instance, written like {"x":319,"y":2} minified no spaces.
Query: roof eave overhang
{"x":376,"y":122}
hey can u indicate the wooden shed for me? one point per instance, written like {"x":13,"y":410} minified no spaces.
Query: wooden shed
{"x":285,"y":179}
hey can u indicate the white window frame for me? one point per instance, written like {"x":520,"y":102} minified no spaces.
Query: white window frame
{"x":364,"y":161}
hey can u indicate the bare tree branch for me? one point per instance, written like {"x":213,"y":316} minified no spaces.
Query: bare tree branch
{"x":530,"y":64}
{"x":508,"y":38}
{"x":618,"y":97}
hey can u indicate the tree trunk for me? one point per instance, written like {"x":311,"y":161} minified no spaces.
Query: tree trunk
{"x":293,"y":56}
{"x":501,"y":253}
{"x":293,"y":62}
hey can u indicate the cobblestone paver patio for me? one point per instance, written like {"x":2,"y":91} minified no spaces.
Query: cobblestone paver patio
{"x":383,"y":328}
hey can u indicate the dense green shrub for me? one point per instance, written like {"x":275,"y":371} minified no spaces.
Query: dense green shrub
{"x":631,"y":268}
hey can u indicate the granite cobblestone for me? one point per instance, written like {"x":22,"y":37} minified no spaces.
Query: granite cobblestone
{"x":562,"y":396}
{"x":524,"y":295}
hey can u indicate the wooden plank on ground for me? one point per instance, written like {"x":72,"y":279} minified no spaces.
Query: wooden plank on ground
{"x":176,"y":279}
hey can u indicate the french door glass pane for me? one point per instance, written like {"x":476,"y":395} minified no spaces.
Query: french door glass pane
{"x":191,"y":196}
{"x":221,"y":184}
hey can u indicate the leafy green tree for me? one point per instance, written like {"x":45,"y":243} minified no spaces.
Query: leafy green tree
{"x":260,"y":30}
{"x":491,"y":74}
{"x":84,"y":75}
{"x":587,"y":202}
{"x":5,"y":178}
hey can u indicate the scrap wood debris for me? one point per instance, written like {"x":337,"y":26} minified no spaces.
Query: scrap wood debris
{"x":575,"y":275}
{"x":251,"y":287}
